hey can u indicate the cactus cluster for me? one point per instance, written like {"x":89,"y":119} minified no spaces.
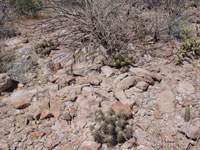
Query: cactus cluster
{"x":44,"y":47}
{"x":121,"y":60}
{"x":112,"y":128}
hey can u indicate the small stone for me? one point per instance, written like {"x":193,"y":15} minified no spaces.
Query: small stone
{"x":67,"y":117}
{"x":166,"y":102}
{"x":119,"y":94}
{"x":46,"y":114}
{"x":80,"y":69}
{"x":72,"y":111}
{"x":138,"y":71}
{"x":130,"y":92}
{"x":102,"y":93}
{"x":142,"y":85}
{"x":94,"y":79}
{"x":37,"y":134}
{"x":120,"y":77}
{"x":21,"y":105}
{"x":149,"y":80}
{"x":126,"y":83}
{"x":107,"y":71}
{"x":90,"y":145}
{"x":119,"y":107}
{"x":29,"y":118}
{"x":137,"y":90}
{"x":155,"y":76}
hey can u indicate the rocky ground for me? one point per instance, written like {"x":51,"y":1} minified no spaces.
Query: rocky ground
{"x":53,"y":104}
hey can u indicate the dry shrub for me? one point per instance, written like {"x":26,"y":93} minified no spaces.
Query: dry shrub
{"x":6,"y":57}
{"x":5,"y":30}
{"x":168,"y":17}
{"x":110,"y":23}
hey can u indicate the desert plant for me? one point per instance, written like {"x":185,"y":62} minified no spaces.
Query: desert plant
{"x":44,"y":47}
{"x":168,"y":17}
{"x":190,"y":50}
{"x":4,"y":16}
{"x":113,"y":128}
{"x":108,"y":23}
{"x":120,"y":60}
{"x":26,"y":7}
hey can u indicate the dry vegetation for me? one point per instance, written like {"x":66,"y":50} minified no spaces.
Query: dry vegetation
{"x":108,"y":23}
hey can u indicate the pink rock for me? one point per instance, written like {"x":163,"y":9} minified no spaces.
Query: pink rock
{"x":119,"y":107}
{"x":90,"y":145}
{"x":126,"y":83}
{"x":55,"y":106}
{"x":155,"y":76}
{"x":130,"y":92}
{"x":21,"y":104}
{"x":142,"y":85}
{"x":107,"y":71}
{"x":119,"y":78}
{"x":119,"y":94}
{"x":86,"y":109}
{"x":137,"y":90}
{"x":149,"y":79}
{"x":102,"y":93}
{"x":166,"y":102}
{"x":46,"y":114}
{"x":94,"y":79}
{"x":38,"y":133}
{"x":21,"y":99}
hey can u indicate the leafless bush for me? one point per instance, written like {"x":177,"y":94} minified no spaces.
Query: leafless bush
{"x":169,"y":15}
{"x":112,"y":24}
{"x":5,"y":15}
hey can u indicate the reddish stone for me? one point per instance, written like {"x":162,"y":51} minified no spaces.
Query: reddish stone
{"x":46,"y":114}
{"x":37,"y":133}
{"x":119,"y":107}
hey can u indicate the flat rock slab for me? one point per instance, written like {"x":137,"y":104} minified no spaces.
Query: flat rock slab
{"x":90,"y":145}
{"x":21,"y":99}
{"x":142,"y":85}
{"x":107,"y":71}
{"x":165,"y":102}
{"x":126,"y":83}
{"x":94,"y":79}
{"x":185,"y":88}
{"x":118,"y":107}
